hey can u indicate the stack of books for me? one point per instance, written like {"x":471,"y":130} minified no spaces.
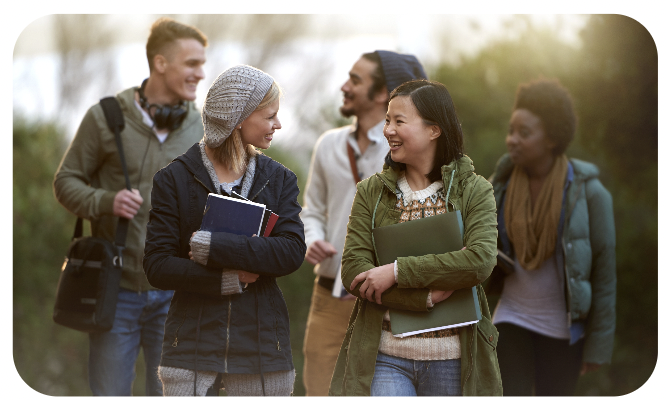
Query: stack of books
{"x":238,"y":215}
{"x":438,"y":234}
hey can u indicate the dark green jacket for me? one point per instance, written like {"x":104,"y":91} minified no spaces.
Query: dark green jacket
{"x":588,"y":245}
{"x":472,"y":195}
{"x":90,"y":174}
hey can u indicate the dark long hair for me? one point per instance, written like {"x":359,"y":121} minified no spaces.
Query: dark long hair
{"x":435,"y":106}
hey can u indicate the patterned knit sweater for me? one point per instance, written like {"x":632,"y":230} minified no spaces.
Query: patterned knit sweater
{"x":438,"y":345}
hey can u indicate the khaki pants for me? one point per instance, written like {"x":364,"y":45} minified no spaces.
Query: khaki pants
{"x":326,"y":327}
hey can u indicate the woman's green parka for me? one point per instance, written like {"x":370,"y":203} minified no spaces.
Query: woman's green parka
{"x":473,"y":196}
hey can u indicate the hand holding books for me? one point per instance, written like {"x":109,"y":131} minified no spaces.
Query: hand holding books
{"x":376,"y":281}
{"x":243,"y":276}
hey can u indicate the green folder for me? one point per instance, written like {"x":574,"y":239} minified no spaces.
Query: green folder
{"x":432,"y":235}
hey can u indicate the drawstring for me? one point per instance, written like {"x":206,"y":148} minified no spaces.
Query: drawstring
{"x":261,"y":370}
{"x":446,"y":202}
{"x":196,"y":348}
{"x":373,"y":221}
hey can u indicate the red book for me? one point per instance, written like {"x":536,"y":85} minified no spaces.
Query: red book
{"x":268,"y":220}
{"x":270,"y":223}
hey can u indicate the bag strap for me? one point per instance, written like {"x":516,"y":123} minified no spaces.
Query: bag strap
{"x":352,"y":162}
{"x":116,"y":122}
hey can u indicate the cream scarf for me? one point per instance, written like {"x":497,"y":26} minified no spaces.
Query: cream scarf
{"x":533,"y":231}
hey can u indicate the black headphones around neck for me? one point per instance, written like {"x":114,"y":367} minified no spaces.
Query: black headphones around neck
{"x":165,"y":116}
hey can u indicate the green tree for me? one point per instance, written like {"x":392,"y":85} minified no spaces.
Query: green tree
{"x":483,"y":85}
{"x":50,"y":359}
{"x":616,"y":89}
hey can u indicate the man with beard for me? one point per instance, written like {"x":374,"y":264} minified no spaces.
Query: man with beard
{"x":341,"y":158}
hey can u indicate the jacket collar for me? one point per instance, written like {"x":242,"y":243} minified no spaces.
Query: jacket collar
{"x":463,"y":168}
{"x":265,"y":169}
{"x":375,"y":134}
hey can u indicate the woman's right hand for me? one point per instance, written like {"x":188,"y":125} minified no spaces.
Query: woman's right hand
{"x":440,"y":295}
{"x":247,"y":277}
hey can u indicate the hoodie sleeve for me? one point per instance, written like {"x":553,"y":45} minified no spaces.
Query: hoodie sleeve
{"x":83,"y":158}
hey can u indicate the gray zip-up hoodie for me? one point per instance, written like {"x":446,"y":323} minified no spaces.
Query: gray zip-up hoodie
{"x":90,"y":174}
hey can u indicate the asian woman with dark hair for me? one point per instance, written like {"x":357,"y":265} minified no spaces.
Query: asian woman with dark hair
{"x":426,"y":173}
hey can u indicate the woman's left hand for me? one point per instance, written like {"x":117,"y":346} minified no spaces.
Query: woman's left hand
{"x":377,"y":280}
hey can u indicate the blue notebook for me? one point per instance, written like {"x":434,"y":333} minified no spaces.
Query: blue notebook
{"x":231,"y":215}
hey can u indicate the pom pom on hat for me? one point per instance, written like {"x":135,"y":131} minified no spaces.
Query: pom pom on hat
{"x":233,"y":96}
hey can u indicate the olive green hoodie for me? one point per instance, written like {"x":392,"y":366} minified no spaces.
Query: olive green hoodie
{"x":375,"y":201}
{"x":90,"y":174}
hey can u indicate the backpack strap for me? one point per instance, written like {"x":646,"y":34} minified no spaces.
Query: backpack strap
{"x":116,"y":122}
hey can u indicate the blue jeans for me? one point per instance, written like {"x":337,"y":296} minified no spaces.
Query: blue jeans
{"x":139,"y":322}
{"x":395,"y":376}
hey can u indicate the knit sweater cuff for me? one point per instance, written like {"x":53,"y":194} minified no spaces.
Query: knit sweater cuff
{"x":429,"y":300}
{"x":230,"y":282}
{"x":200,"y":245}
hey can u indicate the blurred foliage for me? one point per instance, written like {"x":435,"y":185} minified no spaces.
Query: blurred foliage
{"x":613,"y":79}
{"x":51,"y":359}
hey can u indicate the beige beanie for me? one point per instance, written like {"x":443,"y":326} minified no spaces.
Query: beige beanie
{"x":233,"y":96}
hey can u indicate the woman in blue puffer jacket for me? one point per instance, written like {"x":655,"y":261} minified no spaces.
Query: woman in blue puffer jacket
{"x":556,"y":251}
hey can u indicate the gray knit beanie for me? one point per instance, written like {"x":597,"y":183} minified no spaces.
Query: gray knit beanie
{"x":233,"y":96}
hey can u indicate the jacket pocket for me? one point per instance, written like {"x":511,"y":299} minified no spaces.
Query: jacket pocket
{"x":487,"y":379}
{"x":487,"y":332}
{"x":180,"y":320}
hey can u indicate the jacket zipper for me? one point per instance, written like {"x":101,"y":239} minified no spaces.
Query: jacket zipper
{"x":277,"y":338}
{"x":175,"y":340}
{"x":204,"y":185}
{"x":226,"y":350}
{"x":260,"y":190}
{"x":564,"y":249}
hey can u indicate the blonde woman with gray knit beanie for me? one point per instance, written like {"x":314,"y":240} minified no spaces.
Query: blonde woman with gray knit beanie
{"x":228,"y":325}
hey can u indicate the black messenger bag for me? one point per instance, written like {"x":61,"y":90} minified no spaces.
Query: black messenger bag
{"x":90,"y":277}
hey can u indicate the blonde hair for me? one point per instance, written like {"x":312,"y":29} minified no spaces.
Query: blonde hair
{"x":232,"y":153}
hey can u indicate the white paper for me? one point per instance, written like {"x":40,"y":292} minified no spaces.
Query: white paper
{"x":337,"y":284}
{"x":406,"y":334}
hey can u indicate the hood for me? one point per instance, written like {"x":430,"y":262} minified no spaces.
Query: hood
{"x":265,"y":169}
{"x":458,"y":170}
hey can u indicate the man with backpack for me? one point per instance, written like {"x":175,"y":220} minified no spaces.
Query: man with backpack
{"x":161,"y":122}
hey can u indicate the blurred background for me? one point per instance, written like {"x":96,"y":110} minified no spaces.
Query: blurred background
{"x":62,"y":64}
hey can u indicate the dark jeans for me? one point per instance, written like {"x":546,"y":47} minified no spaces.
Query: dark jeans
{"x":139,"y":323}
{"x":535,"y":365}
